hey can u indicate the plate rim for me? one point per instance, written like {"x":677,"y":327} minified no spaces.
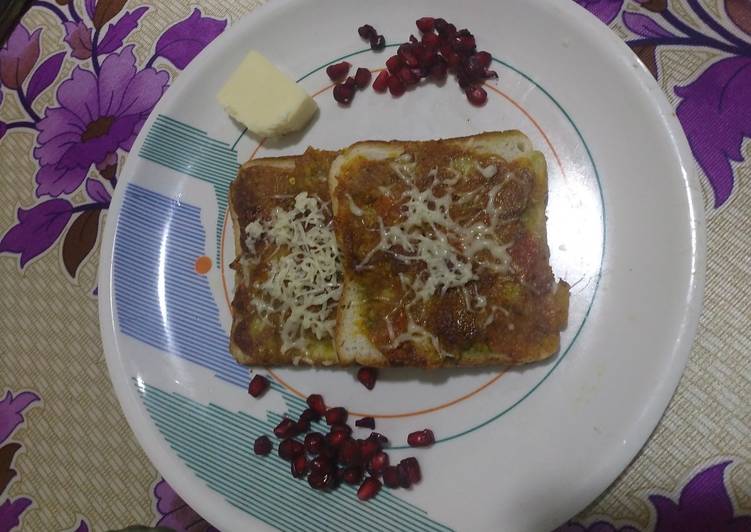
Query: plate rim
{"x":176,"y":472}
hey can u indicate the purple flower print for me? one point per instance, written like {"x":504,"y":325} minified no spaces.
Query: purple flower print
{"x":97,"y":116}
{"x":98,"y":113}
{"x":37,"y":230}
{"x":11,"y":412}
{"x":599,"y":526}
{"x":704,"y":504}
{"x":11,"y":511}
{"x":116,"y":33}
{"x":83,"y":526}
{"x":605,"y":10}
{"x":184,"y":41}
{"x":18,"y":57}
{"x":78,"y":37}
{"x":96,"y":191}
{"x":12,"y":408}
{"x":716,"y":115}
{"x":44,"y":76}
{"x":715,"y":108}
{"x":644,"y":25}
{"x":175,"y":513}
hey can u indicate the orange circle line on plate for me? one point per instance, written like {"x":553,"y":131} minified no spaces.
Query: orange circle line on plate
{"x":426,"y":410}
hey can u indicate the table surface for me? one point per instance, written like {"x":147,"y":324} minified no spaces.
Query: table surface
{"x":68,"y":460}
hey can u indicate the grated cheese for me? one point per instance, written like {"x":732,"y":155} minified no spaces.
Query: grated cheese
{"x":448,"y":249}
{"x":304,"y":281}
{"x":427,"y":233}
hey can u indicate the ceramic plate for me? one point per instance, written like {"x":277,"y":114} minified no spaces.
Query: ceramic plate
{"x":520,"y":449}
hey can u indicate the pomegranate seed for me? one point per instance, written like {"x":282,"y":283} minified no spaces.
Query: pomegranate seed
{"x":341,"y":428}
{"x":439,"y":24}
{"x":421,"y":438}
{"x":401,"y":470}
{"x":322,"y":480}
{"x":338,"y":71}
{"x":488,"y":74}
{"x":349,"y":453}
{"x":378,"y":463}
{"x":425,"y":23}
{"x":288,"y":449}
{"x":362,"y":77}
{"x":343,"y":93}
{"x":350,"y":82}
{"x":464,"y":79}
{"x":368,"y":489}
{"x":309,"y":415}
{"x":286,"y":428}
{"x":391,"y":477}
{"x":367,"y":376}
{"x":377,"y":43}
{"x":474,"y":68}
{"x":448,"y":32}
{"x":314,"y":442}
{"x":336,"y":416}
{"x":484,"y":58}
{"x":476,"y":96}
{"x":431,"y":40}
{"x":368,"y":448}
{"x":302,"y":426}
{"x":379,"y":438}
{"x":452,"y":58}
{"x":258,"y":385}
{"x":352,"y":475}
{"x":396,"y":87}
{"x":315,"y":402}
{"x":321,"y":464}
{"x":366,"y":422}
{"x":335,"y":439}
{"x":412,"y":468}
{"x":407,"y":53}
{"x":408,"y":77}
{"x":464,"y":42}
{"x":438,"y":71}
{"x":262,"y":445}
{"x":299,"y":466}
{"x":367,"y":31}
{"x":428,"y":57}
{"x":394,"y":64}
{"x":328,"y":451}
{"x":381,"y":82}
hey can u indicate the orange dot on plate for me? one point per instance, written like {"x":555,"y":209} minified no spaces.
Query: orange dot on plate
{"x":203,"y":265}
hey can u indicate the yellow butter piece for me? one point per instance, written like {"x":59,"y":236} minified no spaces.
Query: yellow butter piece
{"x":264,"y":99}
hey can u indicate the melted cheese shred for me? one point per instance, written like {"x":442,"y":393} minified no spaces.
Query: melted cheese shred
{"x":304,"y":279}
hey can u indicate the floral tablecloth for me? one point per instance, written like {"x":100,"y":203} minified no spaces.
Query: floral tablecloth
{"x":78,"y":79}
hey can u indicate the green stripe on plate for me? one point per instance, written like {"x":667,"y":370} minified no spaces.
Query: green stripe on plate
{"x":216,"y":444}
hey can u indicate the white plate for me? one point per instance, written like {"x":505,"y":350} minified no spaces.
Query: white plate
{"x":521,"y":449}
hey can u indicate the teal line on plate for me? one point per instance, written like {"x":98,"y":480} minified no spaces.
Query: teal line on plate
{"x":216,"y":444}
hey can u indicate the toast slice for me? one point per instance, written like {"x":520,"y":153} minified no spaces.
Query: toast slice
{"x":444,"y":252}
{"x":287,"y":273}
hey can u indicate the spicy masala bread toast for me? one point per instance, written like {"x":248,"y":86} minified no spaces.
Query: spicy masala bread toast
{"x":287,"y":271}
{"x":444,"y":252}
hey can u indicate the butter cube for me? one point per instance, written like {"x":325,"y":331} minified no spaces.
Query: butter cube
{"x":265,"y":100}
